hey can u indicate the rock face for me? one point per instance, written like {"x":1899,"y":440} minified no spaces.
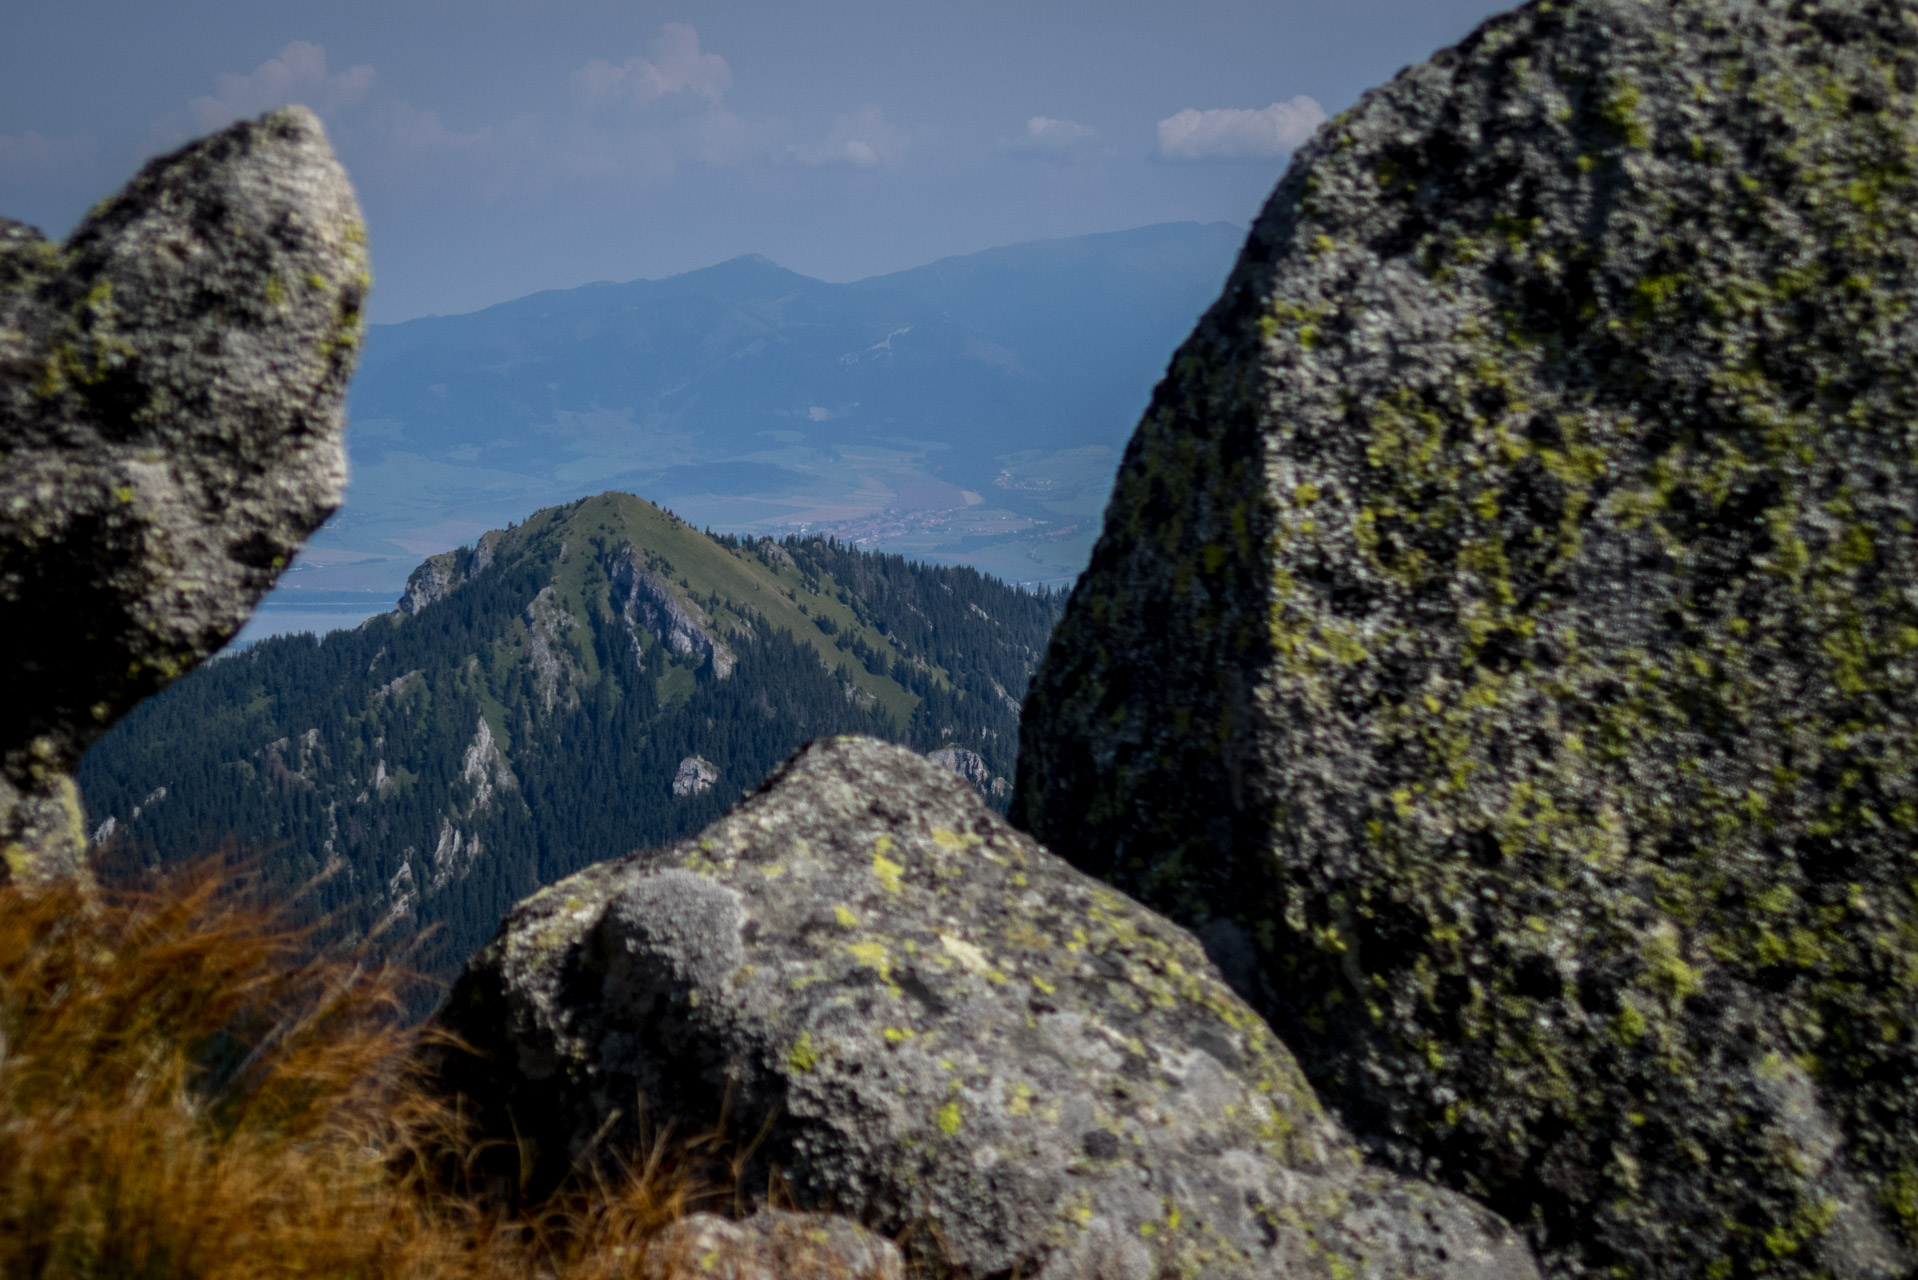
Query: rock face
{"x":680,"y":625}
{"x":973,"y":768}
{"x":695,"y":776}
{"x":1503,"y":641}
{"x":170,"y":430}
{"x":439,"y":576}
{"x":942,"y":1030}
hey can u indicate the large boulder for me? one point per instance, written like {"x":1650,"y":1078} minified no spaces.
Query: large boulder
{"x":938,"y":1028}
{"x":1502,"y":647}
{"x":171,"y":381}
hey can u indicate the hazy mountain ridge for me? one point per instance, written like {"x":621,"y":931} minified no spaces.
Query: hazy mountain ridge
{"x":972,"y":410}
{"x":600,"y":677}
{"x":1037,"y":320}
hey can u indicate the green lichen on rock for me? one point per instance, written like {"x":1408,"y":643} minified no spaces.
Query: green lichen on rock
{"x":940,"y":1029}
{"x":1503,"y":644}
{"x":170,"y":431}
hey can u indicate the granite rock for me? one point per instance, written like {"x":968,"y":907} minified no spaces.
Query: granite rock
{"x":695,"y":776}
{"x":171,"y":380}
{"x":1502,"y":646}
{"x":971,"y":766}
{"x":770,"y":1245}
{"x":939,"y":1029}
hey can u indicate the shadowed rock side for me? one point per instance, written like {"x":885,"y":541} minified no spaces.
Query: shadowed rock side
{"x":944,"y":1030}
{"x":171,"y":382}
{"x":1502,"y":643}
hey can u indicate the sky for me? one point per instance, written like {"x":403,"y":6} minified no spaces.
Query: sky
{"x":502,"y":147}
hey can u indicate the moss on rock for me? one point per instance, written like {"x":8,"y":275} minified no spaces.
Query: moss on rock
{"x":941,"y":1029}
{"x":1503,"y":643}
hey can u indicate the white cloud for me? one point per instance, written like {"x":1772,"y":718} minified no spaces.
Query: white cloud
{"x":35,"y":157}
{"x":682,"y":89}
{"x":863,"y":140}
{"x":677,"y":66}
{"x":1237,"y":133}
{"x":1045,"y":136}
{"x":298,"y":75}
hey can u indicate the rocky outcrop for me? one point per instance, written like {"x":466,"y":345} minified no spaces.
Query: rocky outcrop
{"x":694,"y":777}
{"x":1503,"y":642}
{"x":438,"y":576}
{"x":941,"y":1030}
{"x":429,"y":583}
{"x":556,"y":672}
{"x":647,"y":602}
{"x":971,"y":766}
{"x":484,"y":769}
{"x":774,"y":554}
{"x":171,"y":381}
{"x":454,"y":853}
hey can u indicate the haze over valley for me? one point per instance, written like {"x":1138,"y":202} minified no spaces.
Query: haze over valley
{"x":967,"y":412}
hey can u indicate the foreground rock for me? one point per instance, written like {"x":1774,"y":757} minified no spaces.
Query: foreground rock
{"x":1503,"y":643}
{"x":941,"y":1029}
{"x":170,"y":430}
{"x":770,"y":1245}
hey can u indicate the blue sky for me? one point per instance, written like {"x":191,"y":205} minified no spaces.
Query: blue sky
{"x":505,"y":146}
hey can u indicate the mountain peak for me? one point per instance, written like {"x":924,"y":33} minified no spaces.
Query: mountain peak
{"x":753,"y":269}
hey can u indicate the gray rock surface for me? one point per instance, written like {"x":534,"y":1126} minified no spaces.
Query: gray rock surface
{"x":1502,"y":647}
{"x":437,"y":577}
{"x":941,"y":1030}
{"x":649,"y":602}
{"x":770,"y":1245}
{"x":971,"y":766}
{"x":171,"y":380}
{"x":695,"y":776}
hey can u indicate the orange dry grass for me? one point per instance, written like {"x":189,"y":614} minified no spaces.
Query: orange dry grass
{"x":186,"y":1092}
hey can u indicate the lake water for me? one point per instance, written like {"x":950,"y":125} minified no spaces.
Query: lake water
{"x":290,"y":612}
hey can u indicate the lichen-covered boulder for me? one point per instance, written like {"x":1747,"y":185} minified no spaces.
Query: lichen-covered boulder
{"x":938,"y":1028}
{"x":770,"y":1245}
{"x":1502,"y":647}
{"x":171,"y":380}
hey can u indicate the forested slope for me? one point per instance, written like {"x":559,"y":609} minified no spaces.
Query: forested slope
{"x":600,"y":677}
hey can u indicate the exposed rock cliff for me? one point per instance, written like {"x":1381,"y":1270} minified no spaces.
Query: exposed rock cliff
{"x":170,"y":430}
{"x":438,"y":575}
{"x":646,"y":602}
{"x":941,"y":1028}
{"x":970,"y":766}
{"x":695,"y":776}
{"x":1503,"y":643}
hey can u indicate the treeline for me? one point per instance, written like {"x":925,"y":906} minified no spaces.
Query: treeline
{"x":983,"y":637}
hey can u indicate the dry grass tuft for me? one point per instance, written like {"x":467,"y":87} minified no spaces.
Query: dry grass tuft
{"x":185,"y":1091}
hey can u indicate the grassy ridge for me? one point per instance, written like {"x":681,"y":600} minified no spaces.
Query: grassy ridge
{"x":731,"y":582}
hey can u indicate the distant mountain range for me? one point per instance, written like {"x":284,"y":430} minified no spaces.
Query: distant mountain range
{"x":599,"y":678}
{"x":970,"y":411}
